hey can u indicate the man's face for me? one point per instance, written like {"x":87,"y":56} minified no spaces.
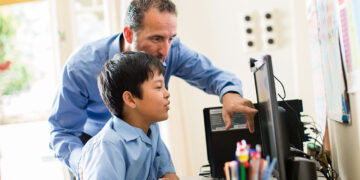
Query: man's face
{"x":157,"y":32}
{"x":154,"y":104}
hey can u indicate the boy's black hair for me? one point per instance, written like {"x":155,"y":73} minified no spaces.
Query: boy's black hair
{"x":126,"y":72}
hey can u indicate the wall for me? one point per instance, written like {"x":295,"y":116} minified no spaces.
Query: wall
{"x":214,"y":28}
{"x":344,"y":143}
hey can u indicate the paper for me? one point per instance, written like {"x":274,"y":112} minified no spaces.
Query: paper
{"x":328,"y":67}
{"x":349,"y":19}
{"x":318,"y":80}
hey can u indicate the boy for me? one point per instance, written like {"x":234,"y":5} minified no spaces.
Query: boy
{"x":129,"y":146}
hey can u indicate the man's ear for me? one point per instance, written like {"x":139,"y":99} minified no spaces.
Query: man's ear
{"x":129,"y":99}
{"x":128,"y":34}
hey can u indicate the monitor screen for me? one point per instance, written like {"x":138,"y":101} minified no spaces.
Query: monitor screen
{"x":272,"y":123}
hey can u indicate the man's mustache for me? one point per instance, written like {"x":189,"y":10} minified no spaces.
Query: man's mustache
{"x":160,"y":57}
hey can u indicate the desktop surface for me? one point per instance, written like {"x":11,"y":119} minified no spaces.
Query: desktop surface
{"x":319,"y":177}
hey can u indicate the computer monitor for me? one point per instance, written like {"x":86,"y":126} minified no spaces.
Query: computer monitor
{"x":272,"y":117}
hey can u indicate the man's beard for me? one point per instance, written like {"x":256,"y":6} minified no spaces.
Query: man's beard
{"x":160,"y":57}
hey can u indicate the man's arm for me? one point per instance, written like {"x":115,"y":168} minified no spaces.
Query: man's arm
{"x":67,"y":119}
{"x":198,"y":71}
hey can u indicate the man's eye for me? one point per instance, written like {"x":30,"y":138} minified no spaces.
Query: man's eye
{"x":156,"y":39}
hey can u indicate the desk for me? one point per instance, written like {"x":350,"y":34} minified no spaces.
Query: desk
{"x":320,"y":177}
{"x":195,"y":178}
{"x":202,"y":178}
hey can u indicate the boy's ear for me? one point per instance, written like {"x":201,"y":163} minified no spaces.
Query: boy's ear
{"x":128,"y":34}
{"x":128,"y":99}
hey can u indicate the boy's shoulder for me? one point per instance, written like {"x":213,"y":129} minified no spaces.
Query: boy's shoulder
{"x":107,"y":136}
{"x":119,"y":134}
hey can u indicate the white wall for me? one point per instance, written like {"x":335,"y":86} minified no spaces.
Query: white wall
{"x":214,"y":28}
{"x":344,"y":143}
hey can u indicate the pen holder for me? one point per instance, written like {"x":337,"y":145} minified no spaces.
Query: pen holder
{"x":248,"y":164}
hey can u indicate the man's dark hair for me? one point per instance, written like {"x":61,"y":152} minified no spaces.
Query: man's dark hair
{"x":126,"y":72}
{"x":137,"y":9}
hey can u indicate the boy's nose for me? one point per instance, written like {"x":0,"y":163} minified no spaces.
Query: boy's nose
{"x":166,"y":93}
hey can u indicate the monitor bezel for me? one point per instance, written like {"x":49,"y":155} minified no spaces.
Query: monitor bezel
{"x":273,"y":136}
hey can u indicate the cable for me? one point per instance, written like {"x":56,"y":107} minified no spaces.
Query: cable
{"x":295,"y":150}
{"x":325,"y":162}
{"x":327,"y":168}
{"x":282,"y":87}
{"x":291,"y":108}
{"x":315,"y":125}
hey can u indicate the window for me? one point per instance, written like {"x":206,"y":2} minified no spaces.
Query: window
{"x":45,"y":33}
{"x":32,"y":64}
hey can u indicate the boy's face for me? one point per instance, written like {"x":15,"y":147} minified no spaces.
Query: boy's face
{"x":154,"y":105}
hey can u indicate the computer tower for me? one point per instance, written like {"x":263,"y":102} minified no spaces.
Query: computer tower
{"x":221,"y":144}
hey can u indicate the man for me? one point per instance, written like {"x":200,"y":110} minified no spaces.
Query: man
{"x":78,"y":112}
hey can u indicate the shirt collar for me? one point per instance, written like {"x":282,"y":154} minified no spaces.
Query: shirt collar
{"x":115,"y":46}
{"x":128,"y":132}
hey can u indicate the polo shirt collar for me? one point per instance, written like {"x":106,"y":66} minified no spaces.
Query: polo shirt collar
{"x":128,"y":132}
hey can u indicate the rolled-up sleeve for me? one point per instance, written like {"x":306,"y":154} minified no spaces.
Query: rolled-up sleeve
{"x":67,"y":119}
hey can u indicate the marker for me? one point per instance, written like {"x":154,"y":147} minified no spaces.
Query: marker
{"x":234,"y":175}
{"x":226,"y":170}
{"x":243,"y":171}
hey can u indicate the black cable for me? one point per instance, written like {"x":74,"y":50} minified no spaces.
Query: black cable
{"x":282,"y":87}
{"x":332,"y":173}
{"x":295,"y":150}
{"x":314,"y":124}
{"x":329,"y":171}
{"x":283,"y":98}
{"x":292,"y":109}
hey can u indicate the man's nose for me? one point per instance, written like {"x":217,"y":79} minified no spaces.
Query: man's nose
{"x":164,"y":49}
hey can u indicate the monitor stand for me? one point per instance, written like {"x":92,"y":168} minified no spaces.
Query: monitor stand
{"x":298,"y":166}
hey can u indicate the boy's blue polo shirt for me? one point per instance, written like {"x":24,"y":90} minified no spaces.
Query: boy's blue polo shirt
{"x":121,"y":151}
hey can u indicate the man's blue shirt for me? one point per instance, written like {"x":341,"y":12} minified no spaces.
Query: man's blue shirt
{"x":121,"y":151}
{"x":78,"y":106}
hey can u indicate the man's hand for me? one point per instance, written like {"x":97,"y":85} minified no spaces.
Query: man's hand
{"x":169,"y":176}
{"x":234,"y":103}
